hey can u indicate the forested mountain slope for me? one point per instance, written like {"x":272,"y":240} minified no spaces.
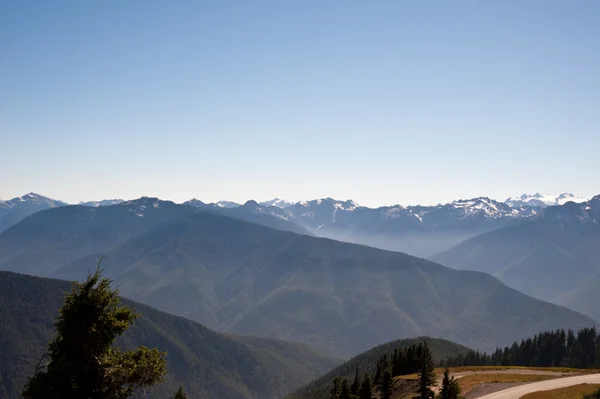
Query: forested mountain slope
{"x":209,"y":364}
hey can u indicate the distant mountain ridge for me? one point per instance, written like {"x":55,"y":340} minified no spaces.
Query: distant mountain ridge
{"x":242,"y":277}
{"x":543,"y":200}
{"x":108,"y":202}
{"x":17,"y":209}
{"x":417,"y":230}
{"x":553,"y":256}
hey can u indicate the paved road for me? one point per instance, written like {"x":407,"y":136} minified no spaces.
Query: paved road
{"x":517,"y":392}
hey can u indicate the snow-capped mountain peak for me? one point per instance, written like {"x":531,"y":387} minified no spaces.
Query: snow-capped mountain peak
{"x":95,"y":204}
{"x":227,"y":204}
{"x":538,"y":200}
{"x":277,"y":202}
{"x":482,"y":206}
{"x":347,"y":205}
{"x":32,"y":199}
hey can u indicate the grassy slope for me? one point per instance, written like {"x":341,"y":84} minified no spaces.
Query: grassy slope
{"x":209,"y":364}
{"x":574,"y":392}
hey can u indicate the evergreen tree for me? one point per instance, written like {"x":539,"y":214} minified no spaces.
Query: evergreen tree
{"x":454,"y":390}
{"x":387,"y":386}
{"x":82,"y":361}
{"x":180,"y":394}
{"x":336,"y":389}
{"x":354,"y":388}
{"x":345,"y":391}
{"x":445,"y":391}
{"x":366,"y":391}
{"x":426,"y":373}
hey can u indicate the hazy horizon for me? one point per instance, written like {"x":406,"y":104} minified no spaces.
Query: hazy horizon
{"x":383,"y":103}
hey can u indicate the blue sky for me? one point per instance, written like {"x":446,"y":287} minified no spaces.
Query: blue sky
{"x":383,"y":102}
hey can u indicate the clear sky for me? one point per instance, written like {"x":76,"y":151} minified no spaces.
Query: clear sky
{"x":383,"y":102}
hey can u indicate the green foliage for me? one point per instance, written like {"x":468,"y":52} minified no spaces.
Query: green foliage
{"x":387,"y":385}
{"x":336,"y":388}
{"x":209,"y":364}
{"x":354,"y":388}
{"x":366,"y":390}
{"x":455,"y":391}
{"x":345,"y":391}
{"x":547,"y":349}
{"x":445,"y":389}
{"x":83,"y":361}
{"x":426,"y":373}
{"x":180,"y":394}
{"x":378,"y":358}
{"x":450,"y":387}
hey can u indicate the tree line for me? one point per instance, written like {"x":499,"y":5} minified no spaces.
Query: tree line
{"x":415,"y":359}
{"x":558,"y":348}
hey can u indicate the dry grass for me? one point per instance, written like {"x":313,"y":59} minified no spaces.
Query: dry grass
{"x":468,"y":382}
{"x":494,"y":368}
{"x":574,"y":392}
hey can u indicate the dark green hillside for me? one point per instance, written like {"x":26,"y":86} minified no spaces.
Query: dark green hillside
{"x":208,"y":364}
{"x":367,"y":361}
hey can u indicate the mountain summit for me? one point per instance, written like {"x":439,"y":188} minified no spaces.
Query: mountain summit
{"x":538,"y":200}
{"x":17,"y":209}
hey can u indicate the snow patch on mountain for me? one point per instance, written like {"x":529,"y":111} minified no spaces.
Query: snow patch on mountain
{"x":95,"y":204}
{"x":31,"y":198}
{"x":277,"y":202}
{"x":483,"y":206}
{"x":543,"y":200}
{"x":227,"y":204}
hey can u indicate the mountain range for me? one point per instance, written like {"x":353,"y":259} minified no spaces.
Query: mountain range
{"x":242,"y":277}
{"x":554,"y":256}
{"x":417,"y":230}
{"x":207,"y":363}
{"x":543,"y":200}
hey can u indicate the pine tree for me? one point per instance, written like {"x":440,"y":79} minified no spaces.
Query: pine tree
{"x":345,"y":392}
{"x":454,"y":390}
{"x":426,"y":373}
{"x":180,"y":394}
{"x":387,"y":388}
{"x":82,"y":361}
{"x":445,"y":391}
{"x":354,"y":388}
{"x":336,"y":388}
{"x":366,"y":391}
